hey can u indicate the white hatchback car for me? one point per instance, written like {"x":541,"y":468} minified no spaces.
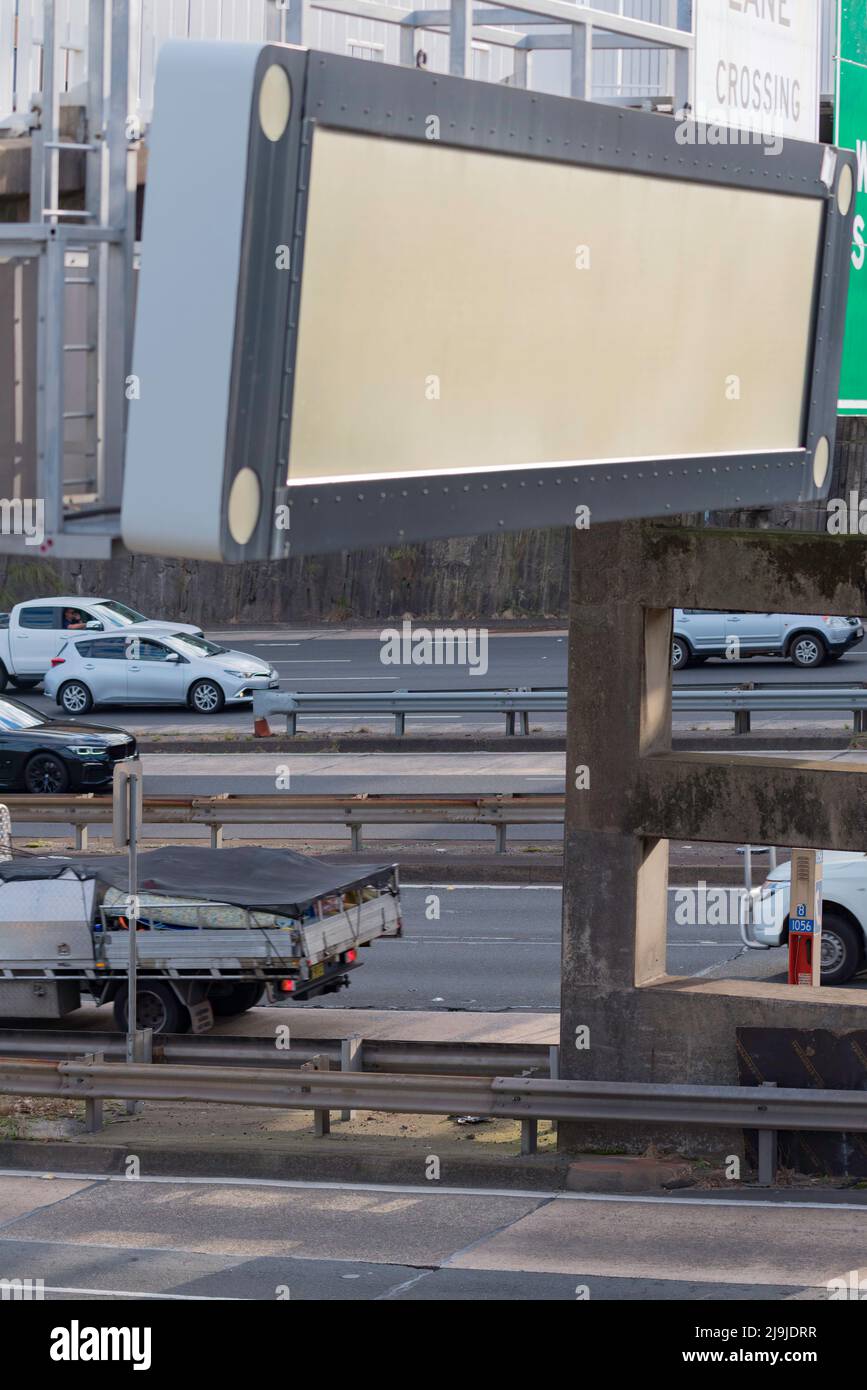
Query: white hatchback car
{"x":163,"y":669}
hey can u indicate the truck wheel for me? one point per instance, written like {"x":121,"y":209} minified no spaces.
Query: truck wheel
{"x":45,"y":774}
{"x":842,"y":949}
{"x":206,"y":697}
{"x":75,"y":698}
{"x":157,"y":1007}
{"x":4,"y":676}
{"x":237,"y":999}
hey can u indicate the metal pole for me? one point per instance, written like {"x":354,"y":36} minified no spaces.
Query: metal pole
{"x":461,"y":38}
{"x":45,"y":193}
{"x":93,"y":1109}
{"x":116,"y":278}
{"x":581,"y":62}
{"x":767,"y":1152}
{"x":130,"y":790}
{"x":350,"y":1060}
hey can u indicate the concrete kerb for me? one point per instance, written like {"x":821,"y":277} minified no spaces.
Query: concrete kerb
{"x":469,"y":744}
{"x":325,"y":1160}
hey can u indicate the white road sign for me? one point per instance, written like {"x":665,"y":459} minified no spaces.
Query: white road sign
{"x":757,"y":66}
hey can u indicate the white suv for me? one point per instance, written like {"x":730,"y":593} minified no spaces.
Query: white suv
{"x":798,"y":637}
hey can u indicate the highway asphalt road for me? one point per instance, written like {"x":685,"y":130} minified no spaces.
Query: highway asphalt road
{"x":498,"y":948}
{"x":111,"y":1239}
{"x":346,"y":661}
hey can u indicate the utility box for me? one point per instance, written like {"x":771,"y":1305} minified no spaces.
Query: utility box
{"x":805,"y":918}
{"x":38,"y":998}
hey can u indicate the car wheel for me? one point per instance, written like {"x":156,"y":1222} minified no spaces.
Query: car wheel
{"x":680,"y":654}
{"x":75,"y":698}
{"x":45,"y":774}
{"x":842,"y":949}
{"x":807,"y":651}
{"x":206,"y":697}
{"x":157,"y":1007}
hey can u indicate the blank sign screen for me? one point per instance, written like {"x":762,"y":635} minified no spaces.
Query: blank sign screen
{"x":467,"y":311}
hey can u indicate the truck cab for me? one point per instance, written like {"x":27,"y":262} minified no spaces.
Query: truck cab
{"x":33,"y":633}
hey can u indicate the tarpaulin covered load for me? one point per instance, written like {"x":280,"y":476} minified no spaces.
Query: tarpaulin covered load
{"x":272,"y":880}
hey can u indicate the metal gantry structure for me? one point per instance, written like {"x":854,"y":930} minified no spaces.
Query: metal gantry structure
{"x":84,"y":259}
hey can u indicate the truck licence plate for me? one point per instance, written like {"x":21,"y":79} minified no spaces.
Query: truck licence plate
{"x":317,"y":970}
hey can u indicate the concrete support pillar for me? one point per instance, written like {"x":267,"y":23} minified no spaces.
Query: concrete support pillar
{"x":615,"y":883}
{"x":622,"y":1017}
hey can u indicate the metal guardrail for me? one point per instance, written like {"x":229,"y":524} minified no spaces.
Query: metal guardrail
{"x":367,"y":1054}
{"x":766,"y":1108}
{"x":514,"y":704}
{"x":745,"y":700}
{"x":741,"y":701}
{"x":499,"y":810}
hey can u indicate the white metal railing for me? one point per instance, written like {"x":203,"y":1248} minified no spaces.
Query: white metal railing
{"x":355,"y":27}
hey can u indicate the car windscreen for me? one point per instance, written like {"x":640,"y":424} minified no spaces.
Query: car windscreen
{"x":119,"y":614}
{"x":15,"y":716}
{"x":196,"y":646}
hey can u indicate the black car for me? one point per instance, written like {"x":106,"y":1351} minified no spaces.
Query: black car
{"x":56,"y":755}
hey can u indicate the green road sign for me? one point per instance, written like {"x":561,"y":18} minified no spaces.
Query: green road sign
{"x":853,"y":31}
{"x":851,"y":134}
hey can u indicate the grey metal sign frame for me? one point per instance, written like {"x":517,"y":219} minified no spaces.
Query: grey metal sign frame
{"x":339,"y":93}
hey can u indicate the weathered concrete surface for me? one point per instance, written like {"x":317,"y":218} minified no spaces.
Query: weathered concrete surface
{"x":627,"y":793}
{"x":660,"y":566}
{"x":771,"y":801}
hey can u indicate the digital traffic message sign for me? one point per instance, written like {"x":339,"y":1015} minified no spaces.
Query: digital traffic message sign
{"x":384,"y":305}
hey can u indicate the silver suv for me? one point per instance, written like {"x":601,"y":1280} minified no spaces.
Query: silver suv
{"x":799,"y":637}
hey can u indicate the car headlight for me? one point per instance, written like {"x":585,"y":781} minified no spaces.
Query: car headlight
{"x":86,"y":750}
{"x":241,"y":675}
{"x":837,"y":622}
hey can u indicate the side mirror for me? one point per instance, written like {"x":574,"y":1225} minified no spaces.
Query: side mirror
{"x":95,"y":626}
{"x":173,"y":656}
